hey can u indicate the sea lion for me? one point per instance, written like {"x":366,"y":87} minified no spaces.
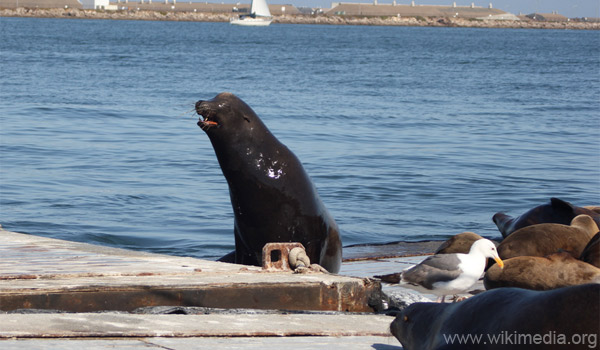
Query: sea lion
{"x":591,"y":252}
{"x":541,"y":273}
{"x":494,"y":319}
{"x":460,"y":243}
{"x":544,"y":239}
{"x":557,"y":212}
{"x":272,"y":196}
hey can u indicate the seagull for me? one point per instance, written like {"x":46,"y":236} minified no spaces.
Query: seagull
{"x":445,"y":274}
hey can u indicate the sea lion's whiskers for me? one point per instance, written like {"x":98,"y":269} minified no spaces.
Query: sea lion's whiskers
{"x":190,"y":113}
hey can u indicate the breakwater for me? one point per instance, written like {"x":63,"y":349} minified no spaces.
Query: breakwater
{"x":299,"y":19}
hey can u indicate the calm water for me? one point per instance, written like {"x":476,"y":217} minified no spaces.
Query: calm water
{"x":408,"y":133}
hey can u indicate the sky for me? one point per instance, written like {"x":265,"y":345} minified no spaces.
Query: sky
{"x":569,"y":8}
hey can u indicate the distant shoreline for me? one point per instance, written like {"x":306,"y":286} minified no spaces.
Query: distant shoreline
{"x":300,"y":19}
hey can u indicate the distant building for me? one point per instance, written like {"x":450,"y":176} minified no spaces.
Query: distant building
{"x":95,"y":4}
{"x":413,"y":10}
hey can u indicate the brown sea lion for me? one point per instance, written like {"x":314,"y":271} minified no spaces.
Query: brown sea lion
{"x":541,"y":273}
{"x":494,"y":319}
{"x":545,"y":239}
{"x":460,"y":243}
{"x":557,"y":211}
{"x":591,"y":252}
{"x":272,"y":196}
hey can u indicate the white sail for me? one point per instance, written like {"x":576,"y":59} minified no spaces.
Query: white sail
{"x":259,"y":15}
{"x":260,"y":8}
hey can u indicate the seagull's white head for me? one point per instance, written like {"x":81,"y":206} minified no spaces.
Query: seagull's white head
{"x":487,"y":248}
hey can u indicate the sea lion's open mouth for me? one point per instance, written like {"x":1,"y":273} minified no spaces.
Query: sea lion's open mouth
{"x":205,"y":122}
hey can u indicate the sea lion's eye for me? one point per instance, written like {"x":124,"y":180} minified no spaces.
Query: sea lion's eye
{"x":247,"y":119}
{"x":405,"y":318}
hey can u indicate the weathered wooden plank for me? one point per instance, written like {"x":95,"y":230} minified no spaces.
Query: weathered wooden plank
{"x":195,"y":343}
{"x":102,"y":325}
{"x":335,"y":297}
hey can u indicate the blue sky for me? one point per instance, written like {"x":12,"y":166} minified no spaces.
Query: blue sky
{"x":569,"y":8}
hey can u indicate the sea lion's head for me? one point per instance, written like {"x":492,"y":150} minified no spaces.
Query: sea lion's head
{"x":225,"y":112}
{"x":416,"y":325}
{"x":233,"y":129}
{"x":503,"y":222}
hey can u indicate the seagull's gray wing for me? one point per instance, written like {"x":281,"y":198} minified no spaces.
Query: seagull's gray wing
{"x":436,"y":268}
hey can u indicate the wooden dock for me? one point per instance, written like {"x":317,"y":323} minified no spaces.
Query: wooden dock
{"x":93,"y":289}
{"x":44,"y":273}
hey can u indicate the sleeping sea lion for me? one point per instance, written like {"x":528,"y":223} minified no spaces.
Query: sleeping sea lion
{"x":460,"y":243}
{"x":505,"y":318}
{"x":544,"y":239}
{"x":541,"y":273}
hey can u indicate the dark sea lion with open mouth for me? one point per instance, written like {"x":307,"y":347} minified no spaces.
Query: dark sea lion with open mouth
{"x":272,"y":196}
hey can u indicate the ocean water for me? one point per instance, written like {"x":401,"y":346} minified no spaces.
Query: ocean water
{"x":408,"y":133}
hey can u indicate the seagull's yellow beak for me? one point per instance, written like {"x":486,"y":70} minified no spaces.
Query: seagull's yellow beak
{"x":499,"y":262}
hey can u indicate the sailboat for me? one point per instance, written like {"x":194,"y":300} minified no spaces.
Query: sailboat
{"x":259,"y":15}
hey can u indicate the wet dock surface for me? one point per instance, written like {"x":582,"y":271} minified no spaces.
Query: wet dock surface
{"x":81,"y":279}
